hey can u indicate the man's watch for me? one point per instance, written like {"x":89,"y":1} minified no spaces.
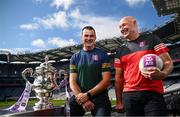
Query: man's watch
{"x":89,"y":95}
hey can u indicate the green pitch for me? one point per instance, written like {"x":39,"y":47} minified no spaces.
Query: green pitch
{"x":9,"y":103}
{"x":30,"y":103}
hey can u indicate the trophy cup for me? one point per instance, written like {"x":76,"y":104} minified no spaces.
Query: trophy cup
{"x":44,"y":83}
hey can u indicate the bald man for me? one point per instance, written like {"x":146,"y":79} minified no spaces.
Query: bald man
{"x":140,"y":93}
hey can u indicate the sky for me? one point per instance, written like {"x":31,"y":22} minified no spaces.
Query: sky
{"x":38,"y":25}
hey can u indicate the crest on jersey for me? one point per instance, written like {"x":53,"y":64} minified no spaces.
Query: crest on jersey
{"x":142,"y":44}
{"x":95,"y":57}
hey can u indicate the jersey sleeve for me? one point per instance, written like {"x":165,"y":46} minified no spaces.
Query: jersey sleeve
{"x":117,"y":61}
{"x":73,"y":66}
{"x":105,"y":63}
{"x":159,"y":46}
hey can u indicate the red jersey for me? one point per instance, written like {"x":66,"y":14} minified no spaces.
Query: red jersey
{"x":128,"y":56}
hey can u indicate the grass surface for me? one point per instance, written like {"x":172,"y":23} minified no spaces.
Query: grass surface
{"x":32,"y":102}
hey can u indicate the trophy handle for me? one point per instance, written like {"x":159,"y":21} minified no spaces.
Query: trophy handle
{"x":54,"y":78}
{"x":26,"y":71}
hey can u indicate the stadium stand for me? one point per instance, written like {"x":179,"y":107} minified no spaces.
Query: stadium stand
{"x":170,"y":33}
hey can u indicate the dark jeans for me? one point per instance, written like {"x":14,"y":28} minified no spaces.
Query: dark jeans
{"x":102,"y":106}
{"x":144,"y":103}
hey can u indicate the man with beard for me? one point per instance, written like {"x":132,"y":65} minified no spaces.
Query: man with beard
{"x":140,"y":93}
{"x":89,"y":78}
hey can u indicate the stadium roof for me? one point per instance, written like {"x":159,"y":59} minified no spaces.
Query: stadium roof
{"x":166,"y":7}
{"x":59,"y":54}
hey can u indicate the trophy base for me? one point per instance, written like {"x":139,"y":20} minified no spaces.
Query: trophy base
{"x":40,"y":106}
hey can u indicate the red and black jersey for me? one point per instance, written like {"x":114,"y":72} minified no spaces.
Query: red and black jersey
{"x":128,"y":56}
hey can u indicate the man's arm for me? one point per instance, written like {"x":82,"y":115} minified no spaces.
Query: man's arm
{"x":102,"y":85}
{"x":73,"y":83}
{"x":87,"y":104}
{"x":168,"y":65}
{"x":80,"y":97}
{"x":119,"y":88}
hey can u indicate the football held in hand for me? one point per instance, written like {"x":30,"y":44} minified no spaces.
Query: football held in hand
{"x":150,"y":60}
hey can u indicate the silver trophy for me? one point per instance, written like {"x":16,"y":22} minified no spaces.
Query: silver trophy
{"x":44,"y":83}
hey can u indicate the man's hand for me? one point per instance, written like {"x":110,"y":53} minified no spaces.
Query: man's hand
{"x":119,"y":107}
{"x":153,"y":73}
{"x":81,"y":98}
{"x":88,"y":106}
